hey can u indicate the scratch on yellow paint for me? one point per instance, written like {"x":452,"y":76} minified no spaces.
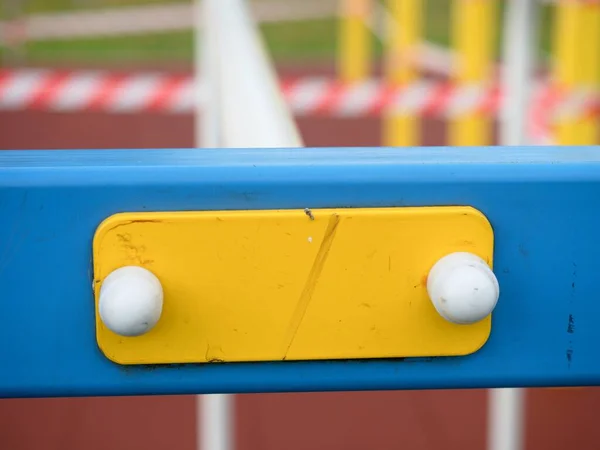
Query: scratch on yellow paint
{"x":311,"y":282}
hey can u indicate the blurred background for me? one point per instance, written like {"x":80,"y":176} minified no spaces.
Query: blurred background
{"x":119,"y":74}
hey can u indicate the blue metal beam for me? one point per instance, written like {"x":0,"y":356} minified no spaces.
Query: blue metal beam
{"x":544,"y":205}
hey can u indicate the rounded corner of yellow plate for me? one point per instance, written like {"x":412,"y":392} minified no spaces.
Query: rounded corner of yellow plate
{"x":105,"y":226}
{"x":105,"y":348}
{"x":474,"y":212}
{"x":485,"y":336}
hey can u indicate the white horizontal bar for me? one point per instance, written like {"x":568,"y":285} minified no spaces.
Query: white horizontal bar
{"x":153,"y":19}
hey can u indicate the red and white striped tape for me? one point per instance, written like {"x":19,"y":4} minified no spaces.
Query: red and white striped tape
{"x":73,"y":91}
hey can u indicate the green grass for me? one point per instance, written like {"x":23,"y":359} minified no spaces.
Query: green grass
{"x":303,"y":41}
{"x":295,"y":41}
{"x":158,"y":48}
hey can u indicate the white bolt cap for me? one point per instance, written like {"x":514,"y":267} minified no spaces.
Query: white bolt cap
{"x":131,"y":300}
{"x":463,"y":288}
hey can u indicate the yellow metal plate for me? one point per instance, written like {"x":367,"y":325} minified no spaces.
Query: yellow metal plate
{"x":280,"y":285}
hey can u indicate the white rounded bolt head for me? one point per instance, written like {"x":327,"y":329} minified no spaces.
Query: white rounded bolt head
{"x":463,"y":288}
{"x":131,"y":301}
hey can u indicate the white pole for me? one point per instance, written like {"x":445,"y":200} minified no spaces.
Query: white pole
{"x":216,"y":428}
{"x":206,"y":65}
{"x":518,"y":65}
{"x":506,"y":407}
{"x":214,"y":413}
{"x":506,"y":417}
{"x":253,"y":112}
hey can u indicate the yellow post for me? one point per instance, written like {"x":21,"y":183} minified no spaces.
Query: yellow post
{"x":577,"y":65}
{"x":354,"y":41}
{"x":402,"y":45}
{"x":473,"y":33}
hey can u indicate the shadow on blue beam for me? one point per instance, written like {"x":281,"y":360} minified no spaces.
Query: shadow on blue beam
{"x":542,"y":202}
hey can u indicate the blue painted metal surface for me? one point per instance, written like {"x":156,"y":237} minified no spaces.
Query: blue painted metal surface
{"x":542,"y":202}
